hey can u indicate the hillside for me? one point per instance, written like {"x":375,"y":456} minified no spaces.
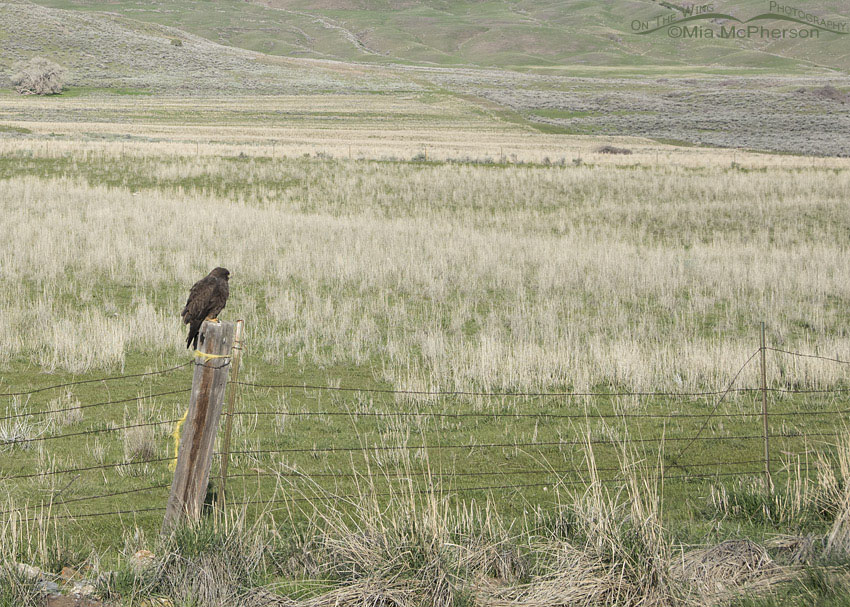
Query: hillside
{"x":106,"y":50}
{"x":751,"y":99}
{"x":521,"y":34}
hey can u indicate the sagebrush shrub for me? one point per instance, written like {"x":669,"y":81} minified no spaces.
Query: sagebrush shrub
{"x":38,"y":76}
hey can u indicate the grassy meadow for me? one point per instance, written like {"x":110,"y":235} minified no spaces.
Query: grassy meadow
{"x":420,"y":244}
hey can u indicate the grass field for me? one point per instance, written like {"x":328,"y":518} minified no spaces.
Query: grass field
{"x":419,"y":244}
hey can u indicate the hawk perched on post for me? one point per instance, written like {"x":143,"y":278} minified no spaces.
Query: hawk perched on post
{"x":207,"y":299}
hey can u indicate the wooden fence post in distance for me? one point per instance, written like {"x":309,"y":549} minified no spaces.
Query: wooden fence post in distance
{"x":767,"y":478}
{"x":194,"y":456}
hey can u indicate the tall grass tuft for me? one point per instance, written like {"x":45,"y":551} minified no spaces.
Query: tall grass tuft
{"x":605,"y":546}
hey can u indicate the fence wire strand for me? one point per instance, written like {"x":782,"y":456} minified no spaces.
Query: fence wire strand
{"x":94,"y":381}
{"x":87,"y":468}
{"x":13,"y":442}
{"x":803,"y":355}
{"x":430,"y":474}
{"x":584,"y":416}
{"x":490,"y":394}
{"x":91,"y":405}
{"x":473,"y":446}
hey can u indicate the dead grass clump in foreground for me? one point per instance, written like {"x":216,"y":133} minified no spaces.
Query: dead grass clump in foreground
{"x":838,"y":538}
{"x":213,"y":563}
{"x":797,"y":549}
{"x":729,"y":568}
{"x":578,"y":579}
{"x":365,"y":593}
{"x":616,"y":551}
{"x":16,"y":588}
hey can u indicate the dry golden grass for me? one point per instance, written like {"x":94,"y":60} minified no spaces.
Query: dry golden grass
{"x":647,"y":271}
{"x":445,"y":275}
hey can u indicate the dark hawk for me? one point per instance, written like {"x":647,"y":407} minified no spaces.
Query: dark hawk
{"x":207,"y":299}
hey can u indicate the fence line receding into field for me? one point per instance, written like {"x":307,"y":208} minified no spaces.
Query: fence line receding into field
{"x":694,"y":468}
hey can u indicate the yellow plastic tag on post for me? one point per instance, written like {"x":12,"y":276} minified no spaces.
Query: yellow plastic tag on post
{"x":176,"y":434}
{"x":206,"y":357}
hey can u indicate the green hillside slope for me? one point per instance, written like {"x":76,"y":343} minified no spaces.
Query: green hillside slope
{"x":107,"y":50}
{"x":497,"y":33}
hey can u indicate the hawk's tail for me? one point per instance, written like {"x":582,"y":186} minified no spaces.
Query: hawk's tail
{"x":194,"y":329}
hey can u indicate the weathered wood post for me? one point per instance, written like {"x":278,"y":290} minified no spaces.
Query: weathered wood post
{"x":194,"y":456}
{"x":231,"y":400}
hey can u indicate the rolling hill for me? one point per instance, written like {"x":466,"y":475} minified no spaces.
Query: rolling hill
{"x":108,"y":50}
{"x":514,"y":34}
{"x":562,"y":67}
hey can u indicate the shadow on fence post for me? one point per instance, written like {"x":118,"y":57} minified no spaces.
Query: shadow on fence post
{"x":194,"y":456}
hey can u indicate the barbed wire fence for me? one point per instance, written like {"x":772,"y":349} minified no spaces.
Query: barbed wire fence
{"x":681,"y":466}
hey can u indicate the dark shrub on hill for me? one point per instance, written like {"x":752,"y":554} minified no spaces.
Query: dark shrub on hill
{"x":610,"y":149}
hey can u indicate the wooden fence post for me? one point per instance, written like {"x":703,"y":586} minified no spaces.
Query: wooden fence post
{"x":194,"y":456}
{"x":231,"y":399}
{"x":767,"y":477}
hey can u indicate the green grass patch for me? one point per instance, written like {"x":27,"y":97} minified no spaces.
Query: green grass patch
{"x":14,"y":130}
